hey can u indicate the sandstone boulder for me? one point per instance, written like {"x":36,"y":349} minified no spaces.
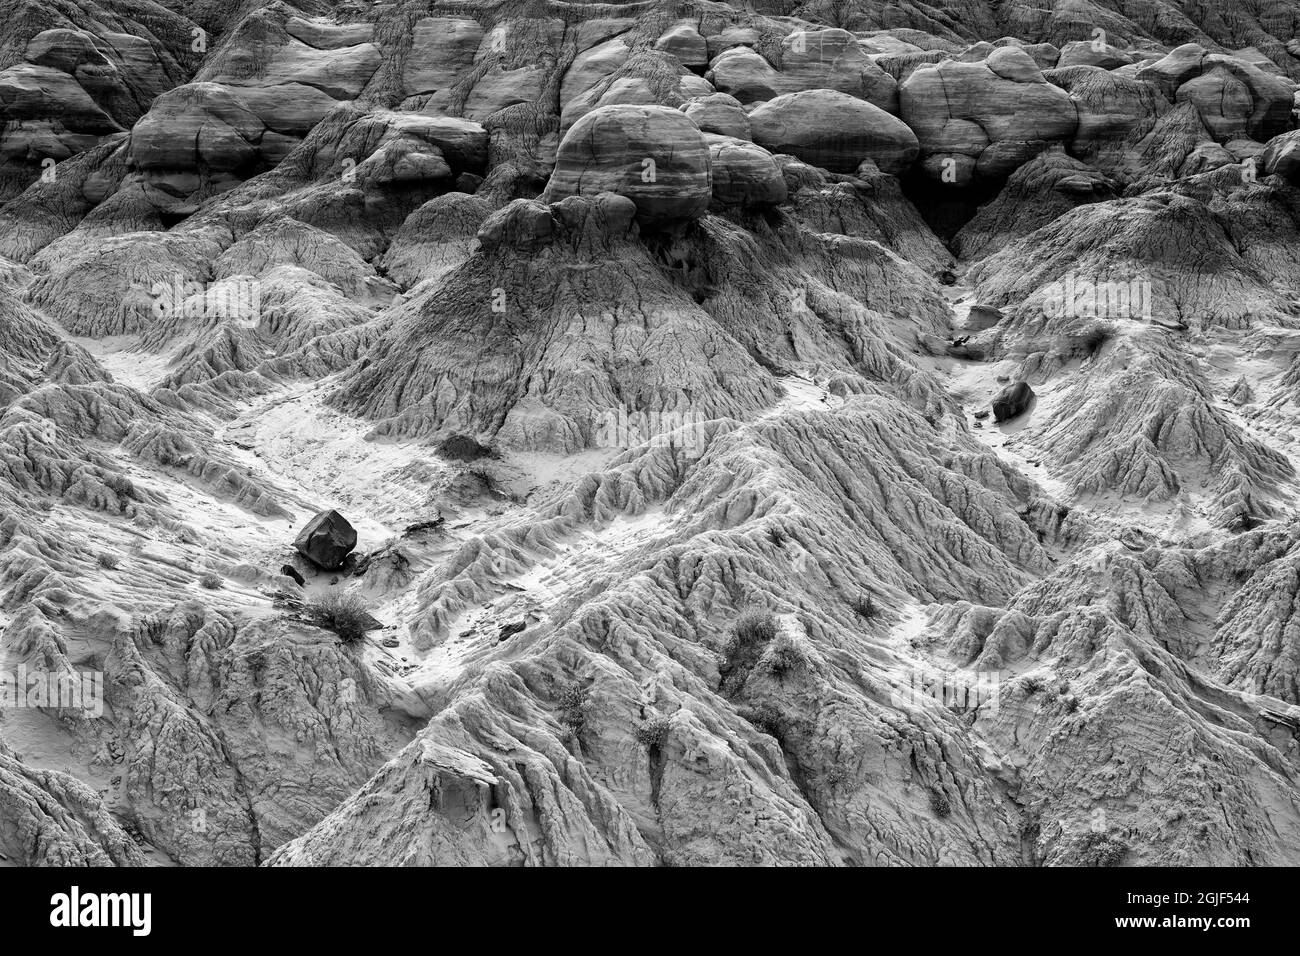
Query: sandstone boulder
{"x":30,"y":92}
{"x":646,"y":78}
{"x":442,"y":51}
{"x":1012,"y":401}
{"x":718,"y":113}
{"x":289,"y":108}
{"x":463,"y":143}
{"x":1175,"y":68}
{"x":999,"y":113}
{"x":435,"y":238}
{"x":833,"y":130}
{"x":1091,"y":53}
{"x":1281,"y":157}
{"x":406,"y":159}
{"x":654,"y":155}
{"x":684,"y":42}
{"x":1224,"y":102}
{"x":195,"y":140}
{"x":501,"y":87}
{"x":983,"y":317}
{"x":591,"y":66}
{"x":340,"y":72}
{"x":744,"y":173}
{"x":523,"y":224}
{"x":326,"y":540}
{"x":810,"y":60}
{"x":328,"y":36}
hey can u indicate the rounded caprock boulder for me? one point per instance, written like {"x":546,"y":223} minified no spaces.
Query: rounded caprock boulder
{"x":833,"y":130}
{"x":1281,"y":157}
{"x":1012,"y":401}
{"x":653,"y":155}
{"x":984,"y":119}
{"x":744,"y":173}
{"x":326,"y":540}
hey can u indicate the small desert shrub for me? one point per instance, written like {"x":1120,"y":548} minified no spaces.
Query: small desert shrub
{"x":1029,"y":832}
{"x":110,"y":561}
{"x":573,"y":706}
{"x":211,"y":581}
{"x":836,"y":774}
{"x":784,"y":657}
{"x":939,"y":803}
{"x":344,"y":614}
{"x":864,"y":606}
{"x":750,"y":635}
{"x":1098,"y":849}
{"x":766,"y":718}
{"x":651,"y":733}
{"x":754,"y":628}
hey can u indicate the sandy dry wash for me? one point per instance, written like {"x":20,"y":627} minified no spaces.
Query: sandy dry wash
{"x":844,"y":432}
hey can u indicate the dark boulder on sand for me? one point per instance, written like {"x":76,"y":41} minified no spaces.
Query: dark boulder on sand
{"x":1012,"y":401}
{"x":327,"y":540}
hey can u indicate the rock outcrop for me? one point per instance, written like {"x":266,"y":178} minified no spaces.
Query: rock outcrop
{"x":984,"y":119}
{"x":326,"y":540}
{"x":653,"y":155}
{"x":744,"y":174}
{"x":1012,"y":401}
{"x":833,"y":130}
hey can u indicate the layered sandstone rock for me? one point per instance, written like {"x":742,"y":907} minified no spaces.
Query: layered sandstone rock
{"x":744,"y":174}
{"x":833,"y":130}
{"x":984,"y":119}
{"x":809,"y":60}
{"x":653,"y":155}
